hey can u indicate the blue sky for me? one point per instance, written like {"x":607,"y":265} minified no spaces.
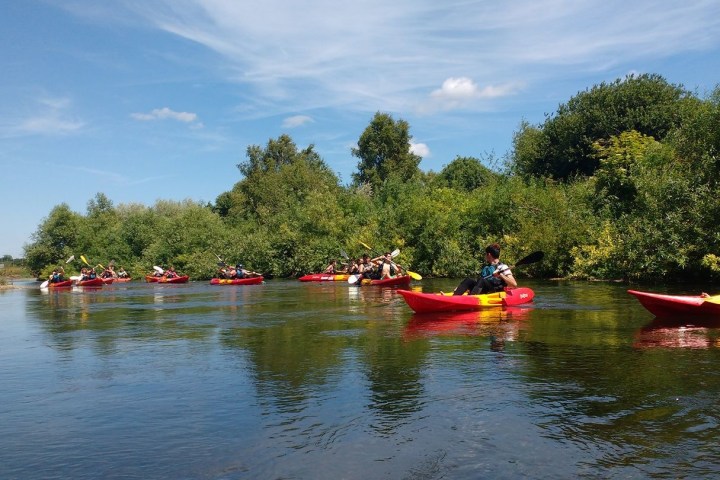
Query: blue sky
{"x":159,"y":99}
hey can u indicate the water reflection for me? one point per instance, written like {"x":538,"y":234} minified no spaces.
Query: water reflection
{"x":679,"y":332}
{"x":500,"y":325}
{"x":276,"y":379}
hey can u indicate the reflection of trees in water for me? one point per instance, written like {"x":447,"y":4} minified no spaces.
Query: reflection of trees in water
{"x":106,"y":318}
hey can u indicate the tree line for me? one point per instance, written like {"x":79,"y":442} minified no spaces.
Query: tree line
{"x":618,"y":183}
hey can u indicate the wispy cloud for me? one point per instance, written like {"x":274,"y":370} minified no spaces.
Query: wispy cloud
{"x":323,"y":53}
{"x":51,"y":116}
{"x":165,"y":113}
{"x":296,"y":121}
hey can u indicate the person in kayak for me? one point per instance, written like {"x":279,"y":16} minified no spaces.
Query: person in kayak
{"x":56,"y":276}
{"x":240,"y":272}
{"x":386,"y":267}
{"x":331,"y":269}
{"x":121,"y":273}
{"x":171,"y":273}
{"x":354,"y":267}
{"x":494,"y":275}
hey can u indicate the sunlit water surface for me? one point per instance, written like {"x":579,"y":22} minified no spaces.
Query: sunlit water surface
{"x":291,"y":380}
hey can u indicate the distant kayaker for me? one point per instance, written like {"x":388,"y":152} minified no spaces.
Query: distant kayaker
{"x":56,"y":276}
{"x":494,"y":275}
{"x":354,"y":267}
{"x":240,"y":272}
{"x":366,"y":267}
{"x":331,"y":268}
{"x":171,"y":273}
{"x":386,"y":267}
{"x":121,"y":273}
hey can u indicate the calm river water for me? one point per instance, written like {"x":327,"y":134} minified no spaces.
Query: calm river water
{"x":291,"y":380}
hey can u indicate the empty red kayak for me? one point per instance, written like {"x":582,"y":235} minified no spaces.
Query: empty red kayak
{"x":324,"y":277}
{"x":95,"y":282}
{"x":237,"y":281}
{"x":387,"y":282}
{"x":442,"y":302}
{"x":662,"y":305}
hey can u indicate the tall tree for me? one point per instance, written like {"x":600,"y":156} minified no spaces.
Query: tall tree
{"x":563,"y":146}
{"x":384,"y":150}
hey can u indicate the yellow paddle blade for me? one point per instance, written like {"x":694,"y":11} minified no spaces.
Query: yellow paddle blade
{"x":713,"y":299}
{"x":366,"y":245}
{"x":82,"y":257}
{"x":415,"y":276}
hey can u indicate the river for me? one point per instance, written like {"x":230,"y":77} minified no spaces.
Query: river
{"x":291,"y":380}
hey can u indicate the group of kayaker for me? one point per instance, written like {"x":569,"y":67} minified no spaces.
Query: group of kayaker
{"x":110,"y":272}
{"x":378,"y":268}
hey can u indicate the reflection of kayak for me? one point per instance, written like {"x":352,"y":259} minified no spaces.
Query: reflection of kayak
{"x":64,"y":283}
{"x":153,"y":279}
{"x":236,"y":281}
{"x":491,"y":321}
{"x":95,"y":282}
{"x":399,"y":280}
{"x":324,"y":277}
{"x":662,"y":305}
{"x":678,"y":332}
{"x":440,"y":302}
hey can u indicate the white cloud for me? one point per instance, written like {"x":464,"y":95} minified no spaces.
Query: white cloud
{"x":420,"y":149}
{"x":165,"y":113}
{"x":296,"y":121}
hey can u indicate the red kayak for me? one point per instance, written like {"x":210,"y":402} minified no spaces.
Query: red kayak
{"x":662,"y":305}
{"x":63,"y":284}
{"x":237,"y":281}
{"x":122,"y":279}
{"x":154,"y":279}
{"x":94,"y":282}
{"x":442,"y":302}
{"x":325,"y":277}
{"x":387,"y":282}
{"x":108,"y":280}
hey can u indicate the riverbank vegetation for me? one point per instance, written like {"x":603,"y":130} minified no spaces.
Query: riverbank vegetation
{"x":619,"y":183}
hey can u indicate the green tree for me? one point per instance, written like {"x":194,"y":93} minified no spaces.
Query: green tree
{"x":54,"y":239}
{"x":466,"y":174}
{"x":562,"y":147}
{"x":384,"y":151}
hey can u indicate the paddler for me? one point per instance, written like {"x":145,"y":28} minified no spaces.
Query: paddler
{"x":494,"y":276}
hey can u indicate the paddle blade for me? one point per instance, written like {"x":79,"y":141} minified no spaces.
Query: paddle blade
{"x":44,"y":284}
{"x":82,"y":257}
{"x":395,"y":253}
{"x":532,"y":258}
{"x":415,"y":276}
{"x":713,"y":299}
{"x":352,"y":279}
{"x":344,"y":254}
{"x":75,"y":278}
{"x":366,"y":245}
{"x":158,"y":269}
{"x":72,"y":257}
